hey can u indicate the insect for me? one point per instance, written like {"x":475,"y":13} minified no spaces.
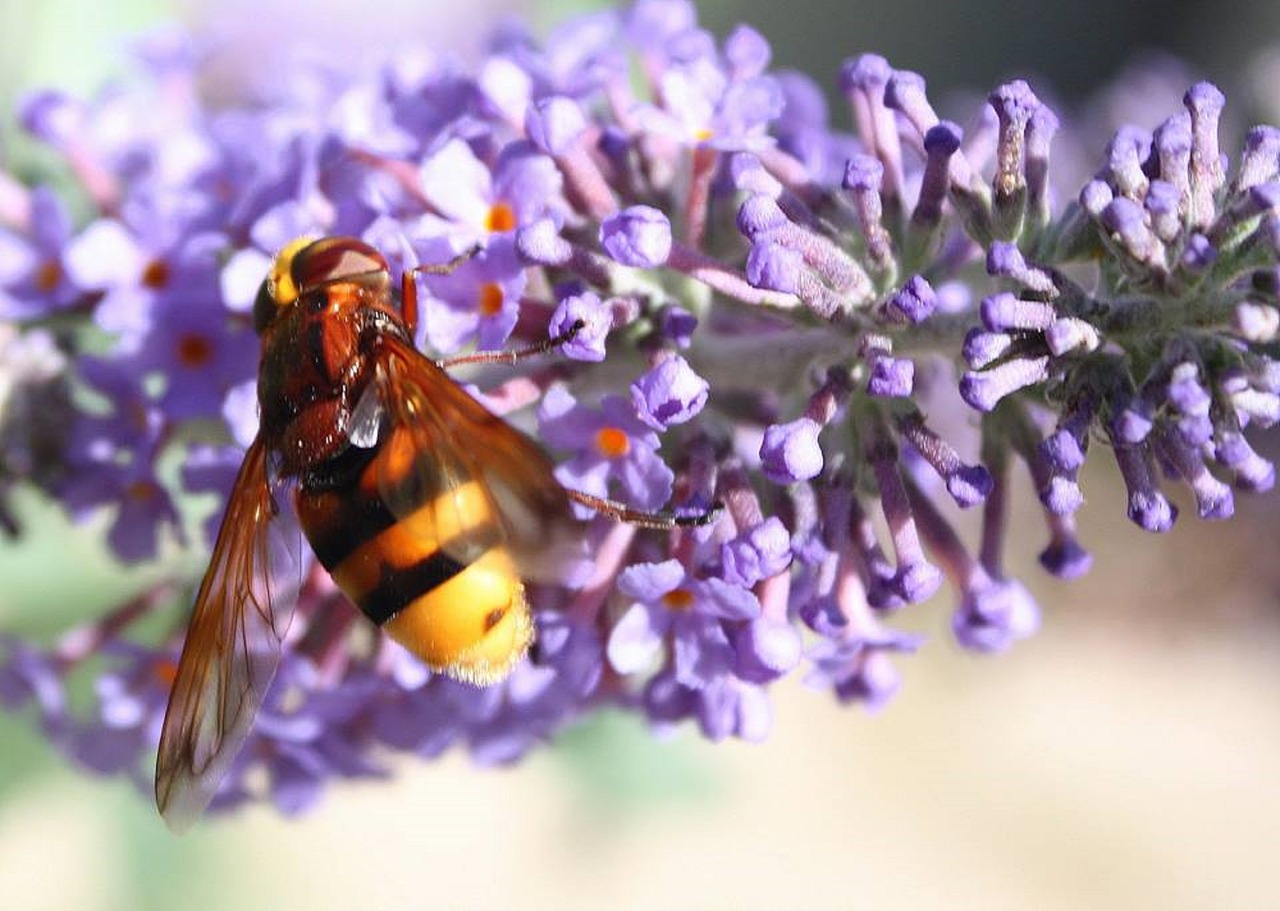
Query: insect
{"x":429,"y":512}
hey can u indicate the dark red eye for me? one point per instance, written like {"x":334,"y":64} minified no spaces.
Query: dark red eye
{"x":334,"y":259}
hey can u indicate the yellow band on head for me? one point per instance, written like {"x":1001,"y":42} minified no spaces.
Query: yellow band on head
{"x":280,"y":280}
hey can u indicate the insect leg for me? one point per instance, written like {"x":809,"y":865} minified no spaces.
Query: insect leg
{"x":409,"y":285}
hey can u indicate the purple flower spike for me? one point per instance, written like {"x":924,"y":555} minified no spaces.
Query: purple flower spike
{"x":639,"y":236}
{"x":790,"y":452}
{"x":670,"y":393}
{"x":575,"y":185}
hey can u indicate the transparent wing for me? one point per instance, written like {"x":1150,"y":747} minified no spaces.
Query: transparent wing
{"x":455,"y":454}
{"x":232,"y":649}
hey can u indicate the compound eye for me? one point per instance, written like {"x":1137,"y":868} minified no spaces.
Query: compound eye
{"x":334,"y":259}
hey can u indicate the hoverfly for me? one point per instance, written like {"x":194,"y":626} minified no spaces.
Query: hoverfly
{"x":429,"y":512}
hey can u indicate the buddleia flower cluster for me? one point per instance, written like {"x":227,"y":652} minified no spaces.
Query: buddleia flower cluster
{"x":847,"y":326}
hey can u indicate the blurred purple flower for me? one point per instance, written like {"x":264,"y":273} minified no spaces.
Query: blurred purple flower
{"x":825,"y":330}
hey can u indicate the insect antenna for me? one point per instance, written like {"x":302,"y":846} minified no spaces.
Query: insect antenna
{"x":662,"y":520}
{"x":515,"y":355}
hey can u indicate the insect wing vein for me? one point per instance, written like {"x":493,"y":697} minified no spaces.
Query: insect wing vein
{"x":232,"y":649}
{"x":469,"y":462}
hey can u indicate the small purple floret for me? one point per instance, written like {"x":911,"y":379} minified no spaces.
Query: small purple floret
{"x":790,"y":452}
{"x":891,"y":377}
{"x":671,"y":393}
{"x":555,"y":124}
{"x":914,"y":302}
{"x":638,"y":236}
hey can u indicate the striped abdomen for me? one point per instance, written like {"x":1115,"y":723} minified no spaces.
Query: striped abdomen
{"x":421,"y":555}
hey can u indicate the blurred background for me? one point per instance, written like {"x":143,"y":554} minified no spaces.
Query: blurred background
{"x":1127,"y":757}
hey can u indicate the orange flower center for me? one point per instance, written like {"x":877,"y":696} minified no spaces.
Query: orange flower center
{"x":141,"y":490}
{"x":491,"y":298}
{"x":612,"y":442}
{"x":501,"y":217}
{"x":194,"y":350}
{"x":678,"y":599}
{"x":166,"y":672}
{"x":156,"y":275}
{"x":48,"y":275}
